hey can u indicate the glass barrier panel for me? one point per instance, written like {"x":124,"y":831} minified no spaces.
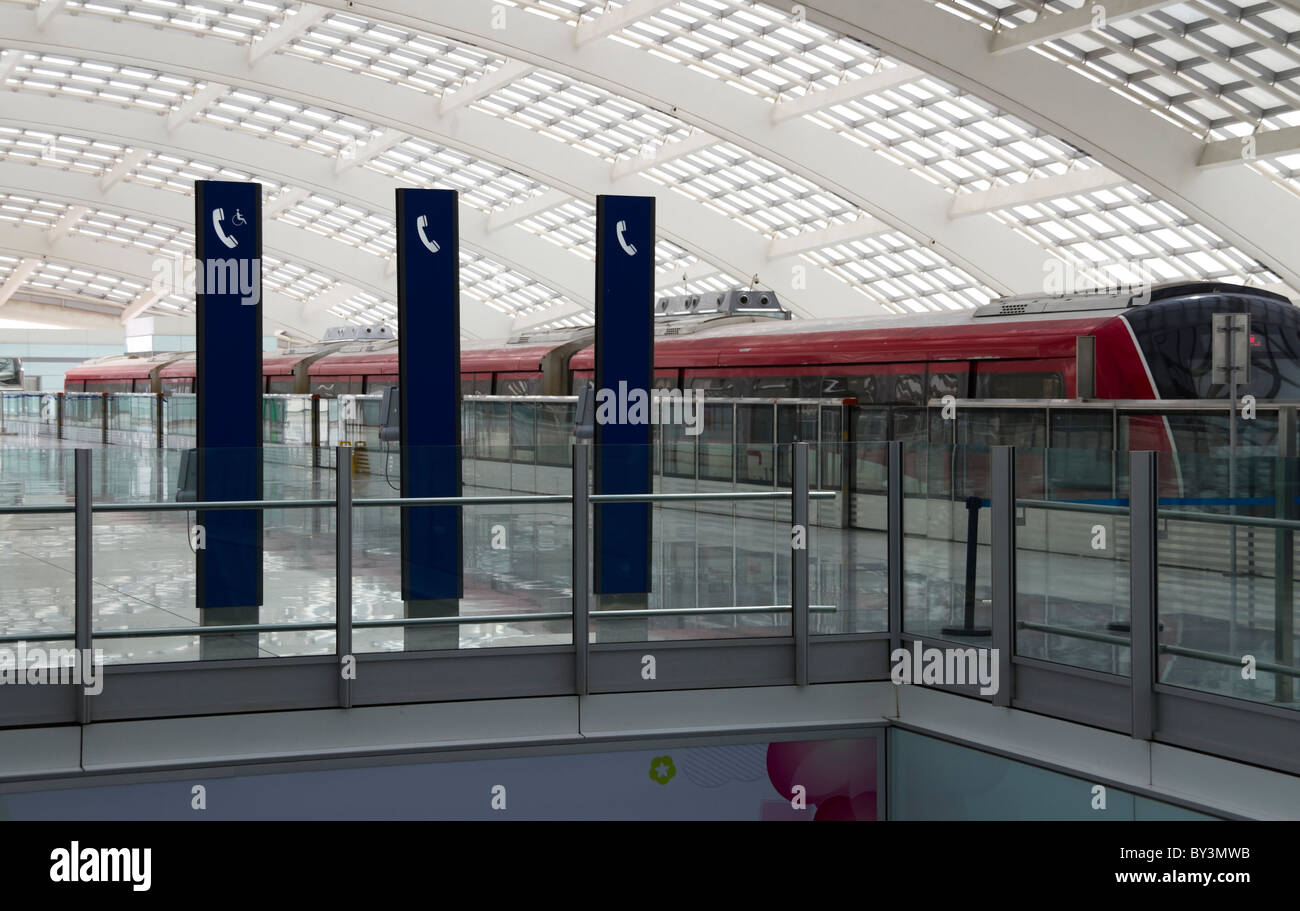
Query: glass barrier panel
{"x":37,"y":584}
{"x":947,"y":569}
{"x":146,"y":562}
{"x":1227,"y":574}
{"x":516,"y":558}
{"x":1072,"y":558}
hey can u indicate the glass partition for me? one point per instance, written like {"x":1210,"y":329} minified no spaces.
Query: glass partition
{"x":1227,"y":575}
{"x":1072,"y":558}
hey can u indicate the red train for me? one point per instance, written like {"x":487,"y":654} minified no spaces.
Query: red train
{"x":1155,"y":345}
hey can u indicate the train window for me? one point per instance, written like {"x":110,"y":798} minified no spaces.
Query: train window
{"x":376,"y":384}
{"x":142,"y":385}
{"x":180,"y":385}
{"x":280,"y":385}
{"x":870,"y":390}
{"x":755,"y":455}
{"x":1049,"y":385}
{"x":507,"y":385}
{"x":723,"y":386}
{"x":108,"y":385}
{"x":944,"y":382}
{"x":909,"y":389}
{"x":811,"y":387}
{"x":665,"y":382}
{"x":775,"y":387}
{"x":466,"y":386}
{"x":715,"y":443}
{"x":74,"y":385}
{"x":332,"y":386}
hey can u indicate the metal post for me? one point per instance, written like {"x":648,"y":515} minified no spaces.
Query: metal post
{"x":82,"y":575}
{"x":159,"y":421}
{"x":1003,"y":518}
{"x":315,"y":432}
{"x":343,"y":569}
{"x":799,"y":561}
{"x":103,"y":417}
{"x":1288,"y":485}
{"x":1232,"y":511}
{"x":894,"y":525}
{"x":1143,"y":588}
{"x":59,"y":399}
{"x":580,"y":546}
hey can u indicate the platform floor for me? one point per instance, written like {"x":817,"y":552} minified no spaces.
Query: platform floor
{"x":704,"y":555}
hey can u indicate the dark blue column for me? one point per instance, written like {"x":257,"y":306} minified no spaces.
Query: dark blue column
{"x":228,"y":285}
{"x":428,"y":339}
{"x":625,"y":282}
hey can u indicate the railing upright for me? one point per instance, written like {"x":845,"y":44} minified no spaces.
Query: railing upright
{"x":800,"y":534}
{"x":82,"y":568}
{"x":579,"y":544}
{"x":343,"y":572}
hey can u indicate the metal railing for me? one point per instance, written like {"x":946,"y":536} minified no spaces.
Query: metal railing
{"x":1151,"y":709}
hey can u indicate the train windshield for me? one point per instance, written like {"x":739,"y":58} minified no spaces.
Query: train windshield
{"x":9,"y":371}
{"x":1176,"y":336}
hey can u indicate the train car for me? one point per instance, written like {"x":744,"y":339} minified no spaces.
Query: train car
{"x":120,"y":373}
{"x":1149,"y":345}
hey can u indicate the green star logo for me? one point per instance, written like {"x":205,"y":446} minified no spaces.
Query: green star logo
{"x":662,"y":769}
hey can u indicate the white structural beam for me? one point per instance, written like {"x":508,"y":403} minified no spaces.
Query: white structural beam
{"x":353,"y":156}
{"x":340,"y":261}
{"x":290,"y":27}
{"x":21,"y":273}
{"x":669,"y":151}
{"x":303,"y":172}
{"x":1054,"y":26}
{"x":499,"y":78}
{"x":826,"y":237}
{"x":615,"y":20}
{"x":8,"y":63}
{"x":1238,"y":204}
{"x":821,"y":99}
{"x":287,"y":199}
{"x":65,"y":224}
{"x":1260,"y":146}
{"x":1039,"y":189}
{"x":143,"y":302}
{"x":65,"y":313}
{"x":533,"y":320}
{"x":134,"y":264}
{"x":522,"y":211}
{"x":998,"y":256}
{"x":47,"y":10}
{"x":131,"y":160}
{"x":708,"y":235}
{"x":187,"y":111}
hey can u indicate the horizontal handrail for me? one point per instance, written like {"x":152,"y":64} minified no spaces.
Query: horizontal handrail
{"x":523,"y":499}
{"x":733,"y":495}
{"x":1107,"y":638}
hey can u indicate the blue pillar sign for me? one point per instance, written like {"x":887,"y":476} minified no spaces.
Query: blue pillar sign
{"x":228,"y":383}
{"x":428,"y":344}
{"x":625,"y":283}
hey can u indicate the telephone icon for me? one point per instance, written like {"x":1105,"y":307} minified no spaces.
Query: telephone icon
{"x":218,"y":216}
{"x":420,"y":224}
{"x":628,"y":248}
